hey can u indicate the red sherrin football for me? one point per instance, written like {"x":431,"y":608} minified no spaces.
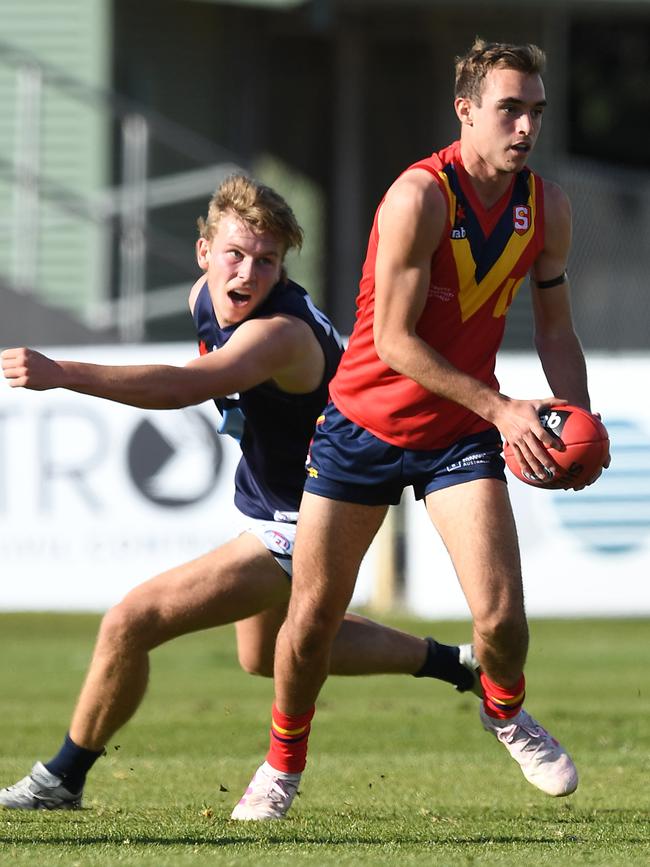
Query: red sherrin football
{"x":586,"y":441}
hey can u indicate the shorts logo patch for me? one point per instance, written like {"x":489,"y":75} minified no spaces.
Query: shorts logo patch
{"x":277,"y":540}
{"x":470,"y":461}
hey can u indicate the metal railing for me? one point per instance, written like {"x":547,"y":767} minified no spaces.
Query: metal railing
{"x":121,"y":213}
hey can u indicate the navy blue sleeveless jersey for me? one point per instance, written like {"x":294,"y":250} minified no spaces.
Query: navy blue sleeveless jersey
{"x":278,"y":426}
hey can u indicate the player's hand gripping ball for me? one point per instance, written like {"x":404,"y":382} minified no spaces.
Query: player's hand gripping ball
{"x":587,"y":447}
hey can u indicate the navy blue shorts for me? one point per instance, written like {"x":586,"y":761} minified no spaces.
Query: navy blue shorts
{"x":348,"y":463}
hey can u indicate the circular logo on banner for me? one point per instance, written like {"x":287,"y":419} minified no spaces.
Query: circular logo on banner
{"x":174,"y":458}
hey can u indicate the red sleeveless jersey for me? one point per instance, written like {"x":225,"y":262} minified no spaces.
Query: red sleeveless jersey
{"x":482,"y":259}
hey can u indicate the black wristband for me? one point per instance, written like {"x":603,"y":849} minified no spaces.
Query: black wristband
{"x":548,"y":284}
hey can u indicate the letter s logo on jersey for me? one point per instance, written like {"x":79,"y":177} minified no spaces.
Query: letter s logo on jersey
{"x":521,"y":219}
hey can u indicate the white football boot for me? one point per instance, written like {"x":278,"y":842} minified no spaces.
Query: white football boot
{"x":543,"y":761}
{"x":269,"y":795}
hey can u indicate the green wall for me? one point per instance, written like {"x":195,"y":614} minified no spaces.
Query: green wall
{"x":73,"y":38}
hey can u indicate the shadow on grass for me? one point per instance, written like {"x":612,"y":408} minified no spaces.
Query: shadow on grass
{"x":300,"y":840}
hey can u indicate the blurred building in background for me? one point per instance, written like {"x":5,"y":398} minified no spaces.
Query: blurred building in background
{"x":120,"y":118}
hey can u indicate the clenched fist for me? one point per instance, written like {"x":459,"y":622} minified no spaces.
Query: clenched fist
{"x":26,"y":368}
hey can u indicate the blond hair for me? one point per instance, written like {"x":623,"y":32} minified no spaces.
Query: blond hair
{"x":482,"y":57}
{"x":255,"y":204}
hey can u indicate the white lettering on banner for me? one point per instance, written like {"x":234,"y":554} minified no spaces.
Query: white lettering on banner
{"x":40,"y":455}
{"x":69,"y":461}
{"x":112,"y":548}
{"x":5,"y":415}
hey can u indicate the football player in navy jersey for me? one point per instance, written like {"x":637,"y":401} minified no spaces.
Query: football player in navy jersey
{"x":266,"y":357}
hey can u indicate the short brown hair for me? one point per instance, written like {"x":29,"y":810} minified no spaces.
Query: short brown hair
{"x":482,"y":57}
{"x":254,"y":203}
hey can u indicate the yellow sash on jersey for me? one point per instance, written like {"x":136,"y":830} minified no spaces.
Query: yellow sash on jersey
{"x":473,"y":295}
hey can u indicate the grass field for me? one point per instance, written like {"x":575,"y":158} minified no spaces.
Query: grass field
{"x":400,"y":770}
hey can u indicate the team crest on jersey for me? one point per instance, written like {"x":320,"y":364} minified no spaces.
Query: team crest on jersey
{"x":521,"y":217}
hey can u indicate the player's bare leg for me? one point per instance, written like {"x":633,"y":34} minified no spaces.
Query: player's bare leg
{"x":234,"y":581}
{"x":476,"y":524}
{"x":488,"y":567}
{"x":331,"y":541}
{"x":362,"y":646}
{"x":256,"y":637}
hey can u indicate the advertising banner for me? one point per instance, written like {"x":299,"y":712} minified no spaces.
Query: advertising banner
{"x":96,"y":497}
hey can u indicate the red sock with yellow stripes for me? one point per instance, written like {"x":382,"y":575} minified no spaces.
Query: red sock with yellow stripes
{"x":288,"y":744}
{"x":501,"y":702}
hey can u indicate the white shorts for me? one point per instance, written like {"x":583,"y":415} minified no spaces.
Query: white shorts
{"x":277,"y":536}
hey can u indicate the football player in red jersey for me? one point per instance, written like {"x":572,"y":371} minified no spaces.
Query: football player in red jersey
{"x":415,"y":402}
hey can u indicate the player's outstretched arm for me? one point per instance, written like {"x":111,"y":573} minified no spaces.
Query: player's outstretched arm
{"x":260,"y":350}
{"x":147,"y":386}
